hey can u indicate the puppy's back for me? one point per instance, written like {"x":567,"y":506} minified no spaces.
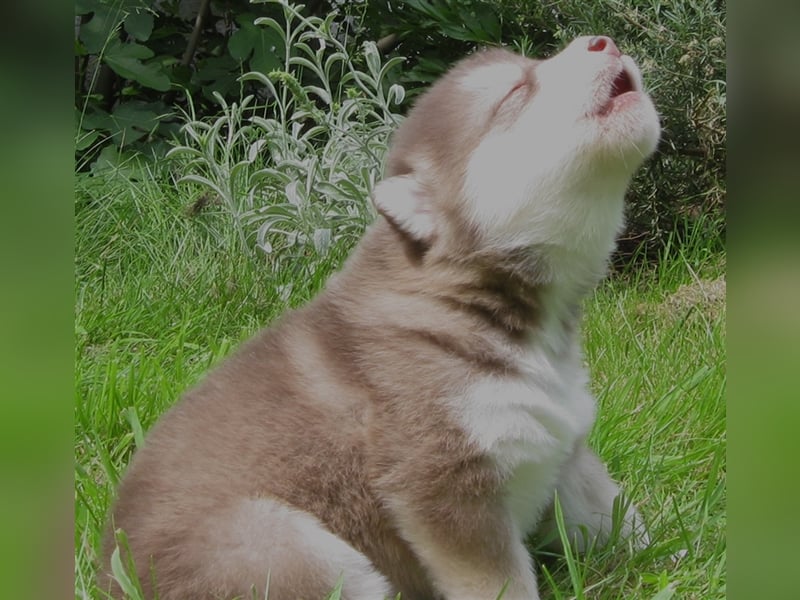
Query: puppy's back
{"x":279,"y":441}
{"x":253,"y":428}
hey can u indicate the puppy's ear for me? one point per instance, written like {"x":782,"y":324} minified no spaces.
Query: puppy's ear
{"x":407,"y":206}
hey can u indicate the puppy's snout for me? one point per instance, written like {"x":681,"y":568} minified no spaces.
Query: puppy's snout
{"x":604,"y":44}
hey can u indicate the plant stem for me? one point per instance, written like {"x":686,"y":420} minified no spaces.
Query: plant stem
{"x":195,"y":37}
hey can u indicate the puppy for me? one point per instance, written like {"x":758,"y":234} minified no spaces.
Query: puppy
{"x":409,"y":427}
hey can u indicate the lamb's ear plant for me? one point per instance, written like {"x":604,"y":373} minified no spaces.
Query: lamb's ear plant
{"x":294,"y":173}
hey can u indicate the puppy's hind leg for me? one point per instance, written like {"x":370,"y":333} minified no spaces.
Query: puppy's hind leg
{"x":261,"y":548}
{"x":587,"y":497}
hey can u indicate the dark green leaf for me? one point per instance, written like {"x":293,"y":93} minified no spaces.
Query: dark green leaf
{"x":181,"y":75}
{"x":118,"y":50}
{"x":134,"y":120}
{"x":99,"y":30}
{"x":139,"y":25}
{"x":481,"y":23}
{"x":265,"y":44}
{"x":223,"y":82}
{"x":269,"y":49}
{"x":124,"y":59}
{"x":150,"y":76}
{"x":86,"y":139}
{"x":112,"y":158}
{"x":216,"y":67}
{"x":84,"y":7}
{"x":97,"y":119}
{"x":240,"y":44}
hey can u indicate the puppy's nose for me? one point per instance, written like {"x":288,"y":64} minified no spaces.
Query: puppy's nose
{"x":603,"y":43}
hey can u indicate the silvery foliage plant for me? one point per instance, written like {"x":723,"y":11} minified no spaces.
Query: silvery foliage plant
{"x":295,"y":174}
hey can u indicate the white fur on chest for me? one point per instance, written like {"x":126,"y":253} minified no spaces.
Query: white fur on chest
{"x":529,"y":425}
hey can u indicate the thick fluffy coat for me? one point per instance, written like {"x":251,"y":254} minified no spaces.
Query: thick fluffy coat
{"x":407,"y":428}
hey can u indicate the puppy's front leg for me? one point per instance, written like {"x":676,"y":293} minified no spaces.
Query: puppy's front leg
{"x":455,"y":518}
{"x":471,"y":553}
{"x":587,"y":494}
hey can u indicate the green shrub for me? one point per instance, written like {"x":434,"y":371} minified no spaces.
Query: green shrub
{"x":136,"y":61}
{"x":681,"y":49}
{"x":315,"y":107}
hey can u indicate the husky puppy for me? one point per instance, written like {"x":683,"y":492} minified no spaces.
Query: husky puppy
{"x":410,"y":426}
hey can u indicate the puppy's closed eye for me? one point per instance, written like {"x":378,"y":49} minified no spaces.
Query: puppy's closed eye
{"x":516,"y":98}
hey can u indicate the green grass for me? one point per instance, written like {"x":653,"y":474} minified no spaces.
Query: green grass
{"x":655,"y":342}
{"x":161,"y":296}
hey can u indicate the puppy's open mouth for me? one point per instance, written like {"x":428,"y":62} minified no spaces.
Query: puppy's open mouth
{"x":622,"y":84}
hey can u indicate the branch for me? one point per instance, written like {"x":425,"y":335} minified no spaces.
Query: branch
{"x":195,"y":37}
{"x":387,"y":43}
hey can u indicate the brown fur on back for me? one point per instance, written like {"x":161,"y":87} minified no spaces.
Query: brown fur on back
{"x":307,"y":413}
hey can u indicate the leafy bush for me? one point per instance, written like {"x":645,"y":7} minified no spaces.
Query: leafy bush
{"x":681,"y":49}
{"x":136,"y":60}
{"x":310,"y":105}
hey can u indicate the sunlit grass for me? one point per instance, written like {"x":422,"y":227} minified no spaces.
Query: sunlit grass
{"x":655,"y":343}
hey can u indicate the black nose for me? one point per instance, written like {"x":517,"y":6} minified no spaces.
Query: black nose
{"x":603,"y":43}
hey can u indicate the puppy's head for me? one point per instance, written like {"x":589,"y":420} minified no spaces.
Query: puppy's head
{"x":509,"y":151}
